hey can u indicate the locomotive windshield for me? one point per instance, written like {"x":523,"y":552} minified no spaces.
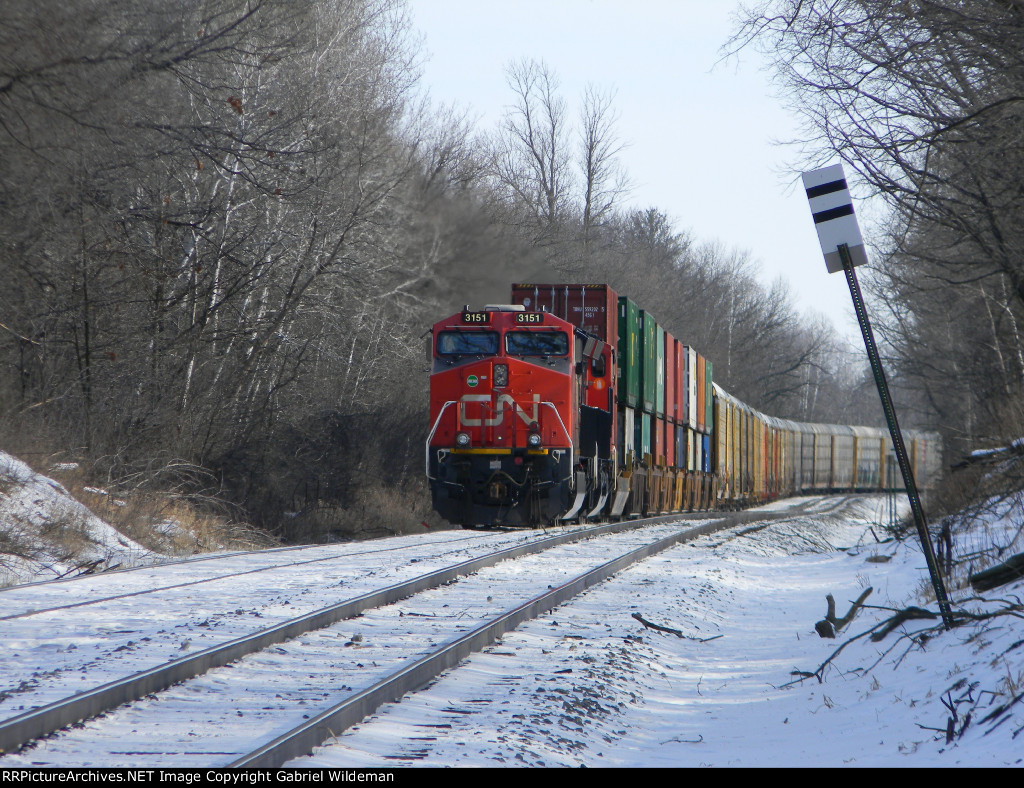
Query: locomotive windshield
{"x":536,"y":343}
{"x":467,"y":343}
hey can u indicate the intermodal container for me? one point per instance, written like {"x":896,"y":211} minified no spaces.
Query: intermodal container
{"x":702,"y":392}
{"x":648,"y":361}
{"x":629,"y":352}
{"x":691,"y":388}
{"x":709,"y":399}
{"x":626,"y":435}
{"x":592,"y":308}
{"x":659,"y":367}
{"x":671,"y":394}
{"x":680,"y":385}
{"x":642,"y":434}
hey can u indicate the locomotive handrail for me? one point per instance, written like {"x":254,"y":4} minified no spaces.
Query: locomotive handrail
{"x":430,"y":437}
{"x":568,"y":437}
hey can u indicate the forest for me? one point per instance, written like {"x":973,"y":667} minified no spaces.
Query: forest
{"x":227,"y":224}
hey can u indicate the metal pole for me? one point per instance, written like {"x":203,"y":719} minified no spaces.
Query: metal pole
{"x":897,"y":436}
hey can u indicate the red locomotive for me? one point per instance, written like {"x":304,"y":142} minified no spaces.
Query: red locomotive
{"x":522,"y":415}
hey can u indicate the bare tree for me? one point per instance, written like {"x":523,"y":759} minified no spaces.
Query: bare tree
{"x":531,"y":161}
{"x":924,"y":100}
{"x":604,"y":180}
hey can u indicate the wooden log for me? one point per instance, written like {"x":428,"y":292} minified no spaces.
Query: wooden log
{"x":830,"y":625}
{"x":1011,"y":569}
{"x":839,"y":623}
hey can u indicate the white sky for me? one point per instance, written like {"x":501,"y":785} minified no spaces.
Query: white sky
{"x":701,"y":132}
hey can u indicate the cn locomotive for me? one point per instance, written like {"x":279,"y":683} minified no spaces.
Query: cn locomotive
{"x":572,"y":403}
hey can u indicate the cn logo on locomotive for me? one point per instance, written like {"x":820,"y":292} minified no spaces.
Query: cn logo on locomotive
{"x":499,"y":410}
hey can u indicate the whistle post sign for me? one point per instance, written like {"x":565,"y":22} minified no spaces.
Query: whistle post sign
{"x":834,"y":219}
{"x":843,"y":247}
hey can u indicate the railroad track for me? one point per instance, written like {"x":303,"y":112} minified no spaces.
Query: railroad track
{"x":93,"y":631}
{"x":377,"y":673}
{"x":92,"y":587}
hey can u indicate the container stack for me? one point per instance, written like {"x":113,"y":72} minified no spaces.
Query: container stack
{"x":663,"y":400}
{"x":666,"y":407}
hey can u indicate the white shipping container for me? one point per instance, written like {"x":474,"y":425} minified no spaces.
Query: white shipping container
{"x":691,"y":387}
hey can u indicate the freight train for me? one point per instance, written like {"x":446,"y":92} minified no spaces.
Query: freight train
{"x":572,"y":403}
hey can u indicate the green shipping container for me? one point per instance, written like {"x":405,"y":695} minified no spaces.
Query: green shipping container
{"x":642,"y":434}
{"x":649,"y":362}
{"x":629,"y":352}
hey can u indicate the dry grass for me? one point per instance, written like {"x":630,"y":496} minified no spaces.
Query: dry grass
{"x":172,"y":523}
{"x":167,"y":523}
{"x":377,"y":511}
{"x":14,"y":543}
{"x":68,"y":536}
{"x":175,"y":526}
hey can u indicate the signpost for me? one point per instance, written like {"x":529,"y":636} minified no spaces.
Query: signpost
{"x":843,"y":247}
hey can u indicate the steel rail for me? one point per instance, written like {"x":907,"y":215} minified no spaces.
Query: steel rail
{"x":17,"y":731}
{"x":185,"y":584}
{"x":328,"y":724}
{"x":118,"y":570}
{"x":192,"y":559}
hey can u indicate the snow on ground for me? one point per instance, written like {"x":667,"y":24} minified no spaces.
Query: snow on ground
{"x":45,"y":533}
{"x":589,"y":685}
{"x":175,"y":609}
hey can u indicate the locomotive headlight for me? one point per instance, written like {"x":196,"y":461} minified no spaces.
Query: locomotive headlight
{"x":462,"y":440}
{"x":533,"y":440}
{"x":500,"y":375}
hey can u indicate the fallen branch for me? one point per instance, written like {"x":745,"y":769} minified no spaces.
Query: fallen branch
{"x":687,"y":741}
{"x":880,"y":630}
{"x":819,"y":674}
{"x":830,"y":625}
{"x":907,"y":614}
{"x":999,"y":710}
{"x":676,"y":632}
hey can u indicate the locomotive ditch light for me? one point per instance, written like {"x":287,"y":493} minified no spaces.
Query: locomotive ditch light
{"x":533,"y":439}
{"x":462,"y":440}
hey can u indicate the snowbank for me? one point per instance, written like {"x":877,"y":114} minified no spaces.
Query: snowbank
{"x":45,"y":533}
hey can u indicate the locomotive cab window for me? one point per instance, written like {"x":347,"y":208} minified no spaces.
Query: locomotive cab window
{"x":467,"y":343}
{"x":536,"y":343}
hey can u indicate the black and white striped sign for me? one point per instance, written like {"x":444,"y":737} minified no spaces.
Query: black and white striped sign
{"x":834,"y":219}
